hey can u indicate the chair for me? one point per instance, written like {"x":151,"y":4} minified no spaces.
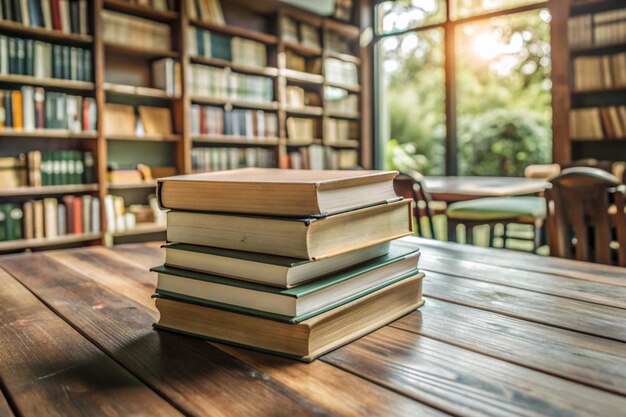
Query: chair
{"x":411,"y":185}
{"x":586,"y":218}
{"x":542,"y":171}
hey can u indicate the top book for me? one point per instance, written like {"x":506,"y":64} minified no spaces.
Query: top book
{"x":277,"y":192}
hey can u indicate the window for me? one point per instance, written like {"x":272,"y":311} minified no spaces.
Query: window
{"x":492,"y":82}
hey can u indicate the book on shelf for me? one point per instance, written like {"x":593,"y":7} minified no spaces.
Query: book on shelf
{"x":322,"y":157}
{"x":239,"y":51}
{"x":305,"y":340}
{"x":252,"y":124}
{"x":343,"y":10}
{"x":300,"y":130}
{"x":246,"y":188}
{"x":271,"y":270}
{"x":63,"y":167}
{"x":340,"y":101}
{"x":597,"y":29}
{"x":123,"y":29}
{"x":11,"y":221}
{"x":209,"y":11}
{"x":289,"y":29}
{"x":155,"y":120}
{"x":13,"y":172}
{"x":206,"y":120}
{"x":598,"y":123}
{"x":120,"y":218}
{"x":340,"y":72}
{"x":340,"y":132}
{"x":68,"y":16}
{"x":119,"y":119}
{"x":306,"y":238}
{"x":337,"y":43}
{"x":218,"y":159}
{"x":222,"y":83}
{"x":299,"y":32}
{"x":309,"y":35}
{"x":161,"y":5}
{"x":166,"y":76}
{"x":292,"y":304}
{"x":295,"y":96}
{"x":600,"y":72}
{"x":33,"y":108}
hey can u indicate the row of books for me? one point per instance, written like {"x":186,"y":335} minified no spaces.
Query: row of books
{"x":222,"y":83}
{"x":123,"y":29}
{"x":317,"y":157}
{"x":341,"y":72}
{"x":120,"y":218}
{"x":337,"y":43}
{"x":208,"y":120}
{"x":298,"y":97}
{"x":50,"y":218}
{"x":44,"y":60}
{"x":166,"y":75}
{"x":596,"y":72}
{"x":340,"y":100}
{"x":337,"y":131}
{"x":219,"y":159}
{"x":296,"y":62}
{"x":209,"y":11}
{"x":241,"y":51}
{"x":299,"y":32}
{"x":68,"y":16}
{"x":162,"y":5}
{"x":33,"y":108}
{"x":126,"y":120}
{"x":295,"y":279}
{"x":598,"y":123}
{"x":43,"y":168}
{"x":603,"y":28}
{"x":301,"y":130}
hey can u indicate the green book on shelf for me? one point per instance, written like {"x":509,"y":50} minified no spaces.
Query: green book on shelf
{"x":220,"y":47}
{"x":293,"y":304}
{"x":3,"y":222}
{"x":13,"y":214}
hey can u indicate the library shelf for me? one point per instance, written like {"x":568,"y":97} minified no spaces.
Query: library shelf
{"x":262,"y":37}
{"x":21,"y":244}
{"x":343,"y":57}
{"x":300,"y":76}
{"x":10,"y":27}
{"x":235,"y":140}
{"x":138,"y":10}
{"x":137,"y":91}
{"x":302,"y":142}
{"x":594,"y":6}
{"x":609,"y":90}
{"x":600,"y":140}
{"x":244,"y":69}
{"x":146,"y":138}
{"x":48,"y":190}
{"x":598,"y":49}
{"x":136,"y":51}
{"x":341,"y":115}
{"x":256,"y":105}
{"x":133,"y":186}
{"x":47,"y":82}
{"x":141,"y":229}
{"x":306,"y":50}
{"x":47,"y":134}
{"x":346,"y":144}
{"x":353,"y":88}
{"x":305,"y":111}
{"x":351,"y":32}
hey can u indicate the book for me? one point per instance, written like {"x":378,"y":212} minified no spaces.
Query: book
{"x":308,"y":238}
{"x":305,"y":340}
{"x":297,"y":303}
{"x":277,"y":192}
{"x":265,"y":269}
{"x":219,"y":159}
{"x":123,"y":29}
{"x":156,"y":120}
{"x":119,"y":119}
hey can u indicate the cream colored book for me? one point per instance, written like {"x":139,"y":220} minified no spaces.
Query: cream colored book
{"x":277,"y":192}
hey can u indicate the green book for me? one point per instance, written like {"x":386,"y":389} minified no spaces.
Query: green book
{"x":3,"y":222}
{"x":220,"y":47}
{"x":292,"y":304}
{"x":14,"y":215}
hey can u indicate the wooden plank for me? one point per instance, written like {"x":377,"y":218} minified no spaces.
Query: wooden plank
{"x":466,"y":383}
{"x":142,"y":254}
{"x":339,"y":392}
{"x":586,"y":359}
{"x":528,"y":262}
{"x":196,"y":376}
{"x":580,"y":316}
{"x":49,"y":369}
{"x":577,"y":289}
{"x":5,"y":408}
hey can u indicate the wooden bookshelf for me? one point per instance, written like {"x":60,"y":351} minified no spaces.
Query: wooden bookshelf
{"x":566,"y":98}
{"x":122,"y":74}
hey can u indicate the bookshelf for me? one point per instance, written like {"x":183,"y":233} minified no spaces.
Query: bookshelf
{"x":121,"y":74}
{"x":589,"y":80}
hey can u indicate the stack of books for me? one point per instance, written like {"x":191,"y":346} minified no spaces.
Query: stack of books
{"x":292,"y":262}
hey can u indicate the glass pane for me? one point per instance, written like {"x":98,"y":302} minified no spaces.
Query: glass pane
{"x":466,"y":8}
{"x":412,"y":100}
{"x":400,"y":15}
{"x":504,"y":111}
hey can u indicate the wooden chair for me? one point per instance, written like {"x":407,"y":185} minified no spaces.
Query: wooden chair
{"x":411,"y":185}
{"x":586,"y":216}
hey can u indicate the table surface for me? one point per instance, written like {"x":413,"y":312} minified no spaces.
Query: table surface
{"x":501,"y":333}
{"x":466,"y":188}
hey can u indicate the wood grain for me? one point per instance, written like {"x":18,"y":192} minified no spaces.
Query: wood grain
{"x":527,"y":262}
{"x":191,"y":373}
{"x":5,"y":408}
{"x":146,"y":255}
{"x":586,"y":359}
{"x":580,"y":316}
{"x":50,"y":369}
{"x":466,"y":383}
{"x":534,"y":281}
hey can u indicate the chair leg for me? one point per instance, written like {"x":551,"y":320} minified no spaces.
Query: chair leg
{"x":469,"y":235}
{"x":491,"y":235}
{"x":451,"y":231}
{"x":504,"y":236}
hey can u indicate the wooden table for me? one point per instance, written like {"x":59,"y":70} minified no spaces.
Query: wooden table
{"x":451,"y":189}
{"x":502,"y":333}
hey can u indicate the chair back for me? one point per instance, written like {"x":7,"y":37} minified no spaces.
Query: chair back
{"x":411,"y":185}
{"x":579,"y":222}
{"x":542,"y":171}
